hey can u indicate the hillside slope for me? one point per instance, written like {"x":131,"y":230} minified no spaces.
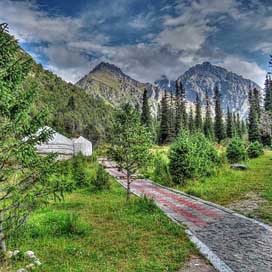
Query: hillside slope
{"x":107,"y":81}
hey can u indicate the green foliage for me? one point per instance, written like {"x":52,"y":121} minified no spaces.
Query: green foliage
{"x":268,"y":94}
{"x":25,"y":181}
{"x":88,"y":173}
{"x":192,"y":156}
{"x":146,"y":115}
{"x":198,"y":117}
{"x":101,"y":181}
{"x":164,"y":131}
{"x":79,"y":173}
{"x":55,"y":223}
{"x":253,"y":118}
{"x":236,"y":151}
{"x":208,"y":123}
{"x":160,"y":169}
{"x":218,"y":122}
{"x":129,"y":142}
{"x":255,"y":150}
{"x":229,"y":129}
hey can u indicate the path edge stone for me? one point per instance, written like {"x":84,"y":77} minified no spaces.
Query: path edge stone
{"x":227,"y":210}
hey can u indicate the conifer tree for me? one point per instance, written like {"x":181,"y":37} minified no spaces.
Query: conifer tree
{"x":145,"y":116}
{"x":253,"y":125}
{"x":164,"y":124}
{"x":238,"y":125}
{"x":172,"y":119}
{"x":191,"y":121}
{"x":183,"y":107}
{"x":198,"y":117}
{"x":178,"y":108}
{"x":208,"y":126}
{"x":218,"y":122}
{"x":268,"y":94}
{"x":25,"y":181}
{"x":257,"y":102}
{"x":230,"y":123}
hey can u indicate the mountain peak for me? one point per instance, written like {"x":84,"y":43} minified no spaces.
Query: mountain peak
{"x":105,"y":66}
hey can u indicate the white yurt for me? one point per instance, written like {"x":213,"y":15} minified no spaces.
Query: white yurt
{"x":58,"y":144}
{"x":83,"y":146}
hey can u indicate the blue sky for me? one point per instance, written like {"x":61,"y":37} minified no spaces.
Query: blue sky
{"x":145,"y":38}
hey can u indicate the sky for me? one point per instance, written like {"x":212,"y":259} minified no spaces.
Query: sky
{"x":145,"y":38}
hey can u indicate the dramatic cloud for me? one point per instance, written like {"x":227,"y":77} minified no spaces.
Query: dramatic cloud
{"x":146,"y":40}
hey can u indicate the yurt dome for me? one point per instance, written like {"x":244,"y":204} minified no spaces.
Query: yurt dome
{"x":83,"y":146}
{"x":58,"y":144}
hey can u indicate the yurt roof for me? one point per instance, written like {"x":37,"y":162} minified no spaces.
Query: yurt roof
{"x":81,"y":140}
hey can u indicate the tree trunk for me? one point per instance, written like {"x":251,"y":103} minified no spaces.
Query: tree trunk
{"x":128,"y":186}
{"x":2,"y":240}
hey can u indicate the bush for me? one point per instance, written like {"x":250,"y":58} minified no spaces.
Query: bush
{"x":192,"y":156}
{"x":101,"y":180}
{"x":55,"y":223}
{"x":79,"y":173}
{"x":236,"y":151}
{"x":161,"y":173}
{"x":255,"y":150}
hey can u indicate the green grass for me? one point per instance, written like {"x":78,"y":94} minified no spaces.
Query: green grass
{"x":230,"y":185}
{"x":102,"y":232}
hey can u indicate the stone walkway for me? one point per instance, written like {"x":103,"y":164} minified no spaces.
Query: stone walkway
{"x":231,"y":242}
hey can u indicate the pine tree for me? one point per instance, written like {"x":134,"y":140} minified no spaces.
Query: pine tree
{"x":164,"y":125}
{"x":243,"y":128}
{"x":26,"y":177}
{"x":218,"y":122}
{"x":238,"y":125}
{"x":183,"y":107}
{"x":129,"y":142}
{"x":229,"y":129}
{"x":172,"y":121}
{"x":178,"y":108}
{"x":268,"y":94}
{"x":198,"y":117}
{"x":253,"y":125}
{"x":208,"y":124}
{"x":145,"y":116}
{"x":191,"y":121}
{"x":257,"y":102}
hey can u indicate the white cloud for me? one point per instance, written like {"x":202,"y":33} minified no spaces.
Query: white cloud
{"x":245,"y":68}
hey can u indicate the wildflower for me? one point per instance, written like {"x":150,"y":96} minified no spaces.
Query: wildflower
{"x":16,"y":252}
{"x":30,"y":266}
{"x":37,"y":262}
{"x":30,"y":254}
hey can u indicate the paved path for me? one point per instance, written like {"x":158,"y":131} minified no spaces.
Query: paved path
{"x":230,"y":241}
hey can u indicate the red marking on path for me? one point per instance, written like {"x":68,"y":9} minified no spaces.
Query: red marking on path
{"x":180,"y":211}
{"x":183,"y":201}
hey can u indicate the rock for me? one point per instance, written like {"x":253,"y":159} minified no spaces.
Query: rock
{"x":239,"y":166}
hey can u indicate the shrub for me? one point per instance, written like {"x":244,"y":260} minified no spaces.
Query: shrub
{"x":161,"y":173}
{"x":101,"y":181}
{"x":55,"y":223}
{"x":255,"y":150}
{"x":192,"y":156}
{"x":236,"y":151}
{"x":79,"y":173}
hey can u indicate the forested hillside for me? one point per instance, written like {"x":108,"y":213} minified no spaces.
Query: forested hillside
{"x":71,"y":110}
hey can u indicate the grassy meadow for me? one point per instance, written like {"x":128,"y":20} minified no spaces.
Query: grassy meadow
{"x":102,"y":232}
{"x":230,"y":185}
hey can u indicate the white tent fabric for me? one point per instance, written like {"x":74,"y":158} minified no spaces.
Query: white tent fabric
{"x":83,"y":146}
{"x":64,"y":147}
{"x":58,"y":144}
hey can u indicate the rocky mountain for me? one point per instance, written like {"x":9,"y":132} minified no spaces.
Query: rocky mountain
{"x":204,"y":77}
{"x":107,"y":81}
